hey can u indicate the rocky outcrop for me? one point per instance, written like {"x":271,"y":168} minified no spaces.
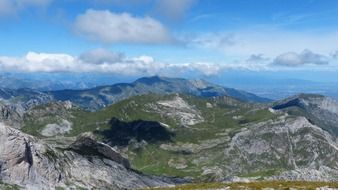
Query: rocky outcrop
{"x":33,"y":164}
{"x":11,"y":114}
{"x":86,"y":145}
{"x":178,"y":109}
{"x":55,"y":129}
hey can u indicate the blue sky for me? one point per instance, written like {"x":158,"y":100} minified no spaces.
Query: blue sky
{"x":169,"y":37}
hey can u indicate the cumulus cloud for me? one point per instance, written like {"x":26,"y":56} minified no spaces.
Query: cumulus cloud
{"x":11,"y":7}
{"x":292,"y":59}
{"x":173,"y":9}
{"x":38,"y":62}
{"x":109,"y":27}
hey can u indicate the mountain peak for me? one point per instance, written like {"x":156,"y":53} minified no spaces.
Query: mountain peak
{"x":150,"y":80}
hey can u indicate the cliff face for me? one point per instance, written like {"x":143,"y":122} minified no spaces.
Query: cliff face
{"x":31,"y":163}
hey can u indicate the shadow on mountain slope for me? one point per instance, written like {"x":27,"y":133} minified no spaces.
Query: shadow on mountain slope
{"x":121,"y":132}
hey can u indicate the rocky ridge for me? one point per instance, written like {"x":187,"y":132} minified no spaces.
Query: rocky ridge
{"x":33,"y":164}
{"x":320,"y":110}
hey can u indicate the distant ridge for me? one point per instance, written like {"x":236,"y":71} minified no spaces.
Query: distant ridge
{"x":102,"y":96}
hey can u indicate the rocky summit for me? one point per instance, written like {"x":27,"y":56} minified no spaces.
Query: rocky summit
{"x":161,"y":138}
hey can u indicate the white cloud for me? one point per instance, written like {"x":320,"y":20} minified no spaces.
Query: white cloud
{"x":11,"y":7}
{"x":173,"y":9}
{"x":38,"y":62}
{"x":292,"y":59}
{"x":108,"y":27}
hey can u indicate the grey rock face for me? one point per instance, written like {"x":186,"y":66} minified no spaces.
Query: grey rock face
{"x":32,"y":164}
{"x":11,"y":114}
{"x":293,"y":145}
{"x":23,"y":161}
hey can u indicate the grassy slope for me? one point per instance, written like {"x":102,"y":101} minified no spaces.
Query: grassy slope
{"x":219,"y":123}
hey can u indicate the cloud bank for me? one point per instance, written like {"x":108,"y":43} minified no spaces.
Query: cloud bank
{"x":108,"y":27}
{"x":102,"y":61}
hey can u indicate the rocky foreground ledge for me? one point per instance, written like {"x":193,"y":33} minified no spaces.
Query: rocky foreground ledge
{"x":31,"y":163}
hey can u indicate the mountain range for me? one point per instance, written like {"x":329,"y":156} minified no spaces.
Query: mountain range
{"x":161,"y":131}
{"x":102,"y":96}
